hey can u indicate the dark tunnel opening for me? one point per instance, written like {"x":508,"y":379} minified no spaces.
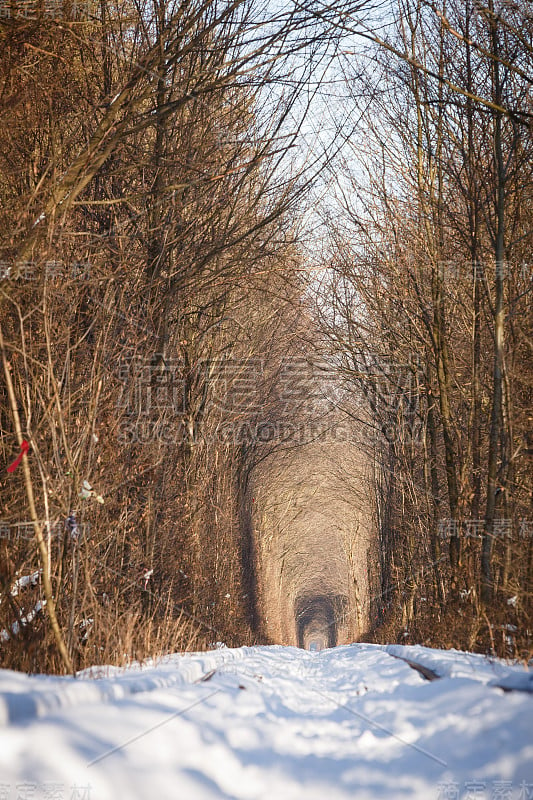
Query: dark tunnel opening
{"x":317,"y":618}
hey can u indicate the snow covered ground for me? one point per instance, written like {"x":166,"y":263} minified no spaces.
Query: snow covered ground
{"x":272,"y":722}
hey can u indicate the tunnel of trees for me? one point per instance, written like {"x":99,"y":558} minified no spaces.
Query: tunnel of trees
{"x":317,"y":619}
{"x":266,"y":302}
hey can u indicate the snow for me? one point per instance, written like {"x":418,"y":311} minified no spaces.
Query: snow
{"x":458,"y":664}
{"x":24,"y":620}
{"x":25,"y":581}
{"x":351,"y":722}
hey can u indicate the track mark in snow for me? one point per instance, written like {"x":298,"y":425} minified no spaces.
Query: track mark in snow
{"x":206,"y":677}
{"x":426,"y":673}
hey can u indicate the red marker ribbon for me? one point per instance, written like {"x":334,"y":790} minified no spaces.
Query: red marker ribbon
{"x":24,"y":448}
